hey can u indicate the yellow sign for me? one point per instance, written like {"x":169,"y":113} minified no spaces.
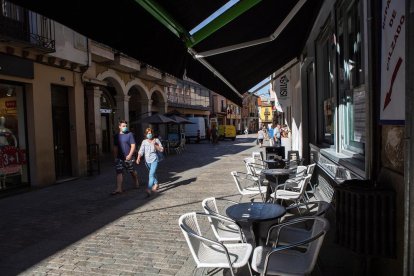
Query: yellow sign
{"x":266,"y":114}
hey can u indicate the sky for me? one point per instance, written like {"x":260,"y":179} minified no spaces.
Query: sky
{"x":263,"y":91}
{"x":228,"y":5}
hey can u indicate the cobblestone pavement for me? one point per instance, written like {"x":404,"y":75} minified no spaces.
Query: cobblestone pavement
{"x":78,"y":228}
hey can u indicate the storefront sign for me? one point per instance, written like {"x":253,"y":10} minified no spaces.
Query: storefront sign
{"x":283,"y":92}
{"x":393,"y":61}
{"x":10,"y":104}
{"x":106,"y":111}
{"x":10,"y":156}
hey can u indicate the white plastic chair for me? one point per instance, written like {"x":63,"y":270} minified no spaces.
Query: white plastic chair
{"x":212,"y":254}
{"x":246,"y":163}
{"x":274,"y":259}
{"x":302,"y":171}
{"x":248,"y":186}
{"x":225,"y":229}
{"x":292,"y":195}
{"x":256,"y":155}
{"x":309,"y":171}
{"x":301,"y":231}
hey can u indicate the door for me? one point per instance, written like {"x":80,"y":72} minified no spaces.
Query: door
{"x":61,"y":132}
{"x":106,"y":139}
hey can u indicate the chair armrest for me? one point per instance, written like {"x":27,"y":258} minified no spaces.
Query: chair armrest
{"x":226,"y":219}
{"x":322,"y":207}
{"x":280,"y":226}
{"x":229,"y":200}
{"x":191,"y":233}
{"x":290,"y":246}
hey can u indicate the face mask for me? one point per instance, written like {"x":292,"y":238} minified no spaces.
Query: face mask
{"x":149,"y":135}
{"x":124,"y":129}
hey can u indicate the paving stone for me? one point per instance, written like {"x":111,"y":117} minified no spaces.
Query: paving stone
{"x":94,"y":233}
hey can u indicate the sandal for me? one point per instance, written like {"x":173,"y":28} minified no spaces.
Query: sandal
{"x":155,"y":188}
{"x":116,"y":193}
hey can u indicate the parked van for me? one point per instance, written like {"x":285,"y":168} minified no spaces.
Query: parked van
{"x":195,"y":131}
{"x":227,"y":131}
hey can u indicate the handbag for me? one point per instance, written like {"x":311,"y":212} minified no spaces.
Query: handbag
{"x":160,"y":156}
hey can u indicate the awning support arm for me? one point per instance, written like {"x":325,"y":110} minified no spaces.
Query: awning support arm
{"x":286,"y":67}
{"x":215,"y":72}
{"x":270,"y":38}
{"x":164,"y":18}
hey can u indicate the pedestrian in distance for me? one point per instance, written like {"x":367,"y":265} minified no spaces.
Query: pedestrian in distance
{"x":260,"y":137}
{"x":271,"y":135}
{"x":278,"y":132}
{"x":214,"y":134}
{"x":150,"y":149}
{"x":124,"y":149}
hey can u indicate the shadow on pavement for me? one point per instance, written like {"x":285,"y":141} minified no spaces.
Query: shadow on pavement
{"x":41,"y":222}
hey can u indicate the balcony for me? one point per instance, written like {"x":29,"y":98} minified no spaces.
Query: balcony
{"x":21,"y":27}
{"x":149,"y":73}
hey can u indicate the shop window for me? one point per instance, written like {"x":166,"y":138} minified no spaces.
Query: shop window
{"x":326,"y":108}
{"x":351,"y":76}
{"x":13,"y":166}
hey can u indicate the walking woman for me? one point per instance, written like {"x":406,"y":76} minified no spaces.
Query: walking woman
{"x":149,"y":148}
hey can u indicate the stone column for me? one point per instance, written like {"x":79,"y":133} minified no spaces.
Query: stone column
{"x":94,"y":127}
{"x":122,"y":104}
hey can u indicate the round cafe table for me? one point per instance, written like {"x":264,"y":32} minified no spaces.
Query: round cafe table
{"x":274,"y":176}
{"x":255,"y":218}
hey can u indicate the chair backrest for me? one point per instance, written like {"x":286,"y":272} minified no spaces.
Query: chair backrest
{"x":323,"y":207}
{"x":246,"y":163}
{"x":319,"y":229}
{"x":313,"y":243}
{"x":257,"y":158}
{"x":210,"y":206}
{"x":293,"y":155}
{"x":303,"y":184}
{"x":236,"y":180}
{"x":253,"y":170}
{"x":189,"y":225}
{"x":273,"y":156}
{"x":244,"y":180}
{"x":310,"y":169}
{"x":256,"y":154}
{"x":300,"y":170}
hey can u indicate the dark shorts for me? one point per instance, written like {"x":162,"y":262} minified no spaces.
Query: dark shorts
{"x":128,"y":165}
{"x":260,"y":140}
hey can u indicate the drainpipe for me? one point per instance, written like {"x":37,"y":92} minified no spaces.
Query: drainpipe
{"x":409,"y":144}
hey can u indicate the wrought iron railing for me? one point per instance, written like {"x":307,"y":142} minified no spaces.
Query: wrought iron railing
{"x":20,"y":24}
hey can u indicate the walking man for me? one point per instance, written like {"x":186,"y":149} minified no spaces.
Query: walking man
{"x":124,"y":149}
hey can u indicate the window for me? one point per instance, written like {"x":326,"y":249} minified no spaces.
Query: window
{"x":11,"y":11}
{"x":351,"y":76}
{"x":325,"y":54}
{"x":13,"y":159}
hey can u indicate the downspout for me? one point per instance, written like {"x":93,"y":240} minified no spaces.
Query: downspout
{"x":409,"y":145}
